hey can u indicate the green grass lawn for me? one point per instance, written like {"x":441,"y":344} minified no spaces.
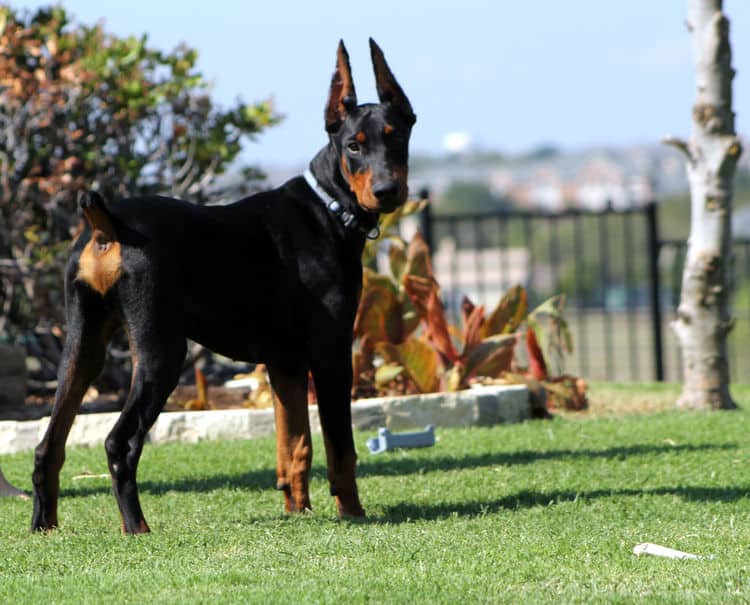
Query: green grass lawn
{"x":538,"y":512}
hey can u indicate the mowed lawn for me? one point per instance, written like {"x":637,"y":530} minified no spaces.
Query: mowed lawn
{"x":538,"y":512}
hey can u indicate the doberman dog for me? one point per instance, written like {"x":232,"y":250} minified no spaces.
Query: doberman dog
{"x":272,"y":278}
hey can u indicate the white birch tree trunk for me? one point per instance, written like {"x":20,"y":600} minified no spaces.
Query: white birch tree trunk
{"x":703,"y":320}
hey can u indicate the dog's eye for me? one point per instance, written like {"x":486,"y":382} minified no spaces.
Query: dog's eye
{"x":354,"y":147}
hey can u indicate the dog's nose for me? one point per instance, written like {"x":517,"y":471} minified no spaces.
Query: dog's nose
{"x":385,"y":189}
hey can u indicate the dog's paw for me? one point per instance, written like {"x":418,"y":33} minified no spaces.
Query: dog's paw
{"x":349,"y":508}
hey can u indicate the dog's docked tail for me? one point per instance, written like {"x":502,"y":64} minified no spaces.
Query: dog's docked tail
{"x":100,"y":263}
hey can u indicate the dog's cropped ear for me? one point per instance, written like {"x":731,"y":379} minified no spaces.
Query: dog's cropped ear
{"x":388,"y":89}
{"x":342,"y":97}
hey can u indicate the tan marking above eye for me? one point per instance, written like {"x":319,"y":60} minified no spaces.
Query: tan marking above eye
{"x":361,"y":137}
{"x":388,"y":129}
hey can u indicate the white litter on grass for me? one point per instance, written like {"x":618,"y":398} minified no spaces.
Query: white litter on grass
{"x":646,"y":548}
{"x":242,"y":383}
{"x":91,"y":476}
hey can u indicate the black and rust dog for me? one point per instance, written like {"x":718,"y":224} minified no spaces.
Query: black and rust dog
{"x":273,"y":278}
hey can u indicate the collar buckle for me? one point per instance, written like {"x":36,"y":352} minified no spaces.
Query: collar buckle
{"x":348,"y":218}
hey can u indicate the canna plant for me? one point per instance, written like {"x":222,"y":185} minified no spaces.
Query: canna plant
{"x":404,"y":343}
{"x":550,"y":391}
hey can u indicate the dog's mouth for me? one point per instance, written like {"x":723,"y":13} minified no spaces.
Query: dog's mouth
{"x":384,"y":206}
{"x":390,"y":202}
{"x":388,"y":206}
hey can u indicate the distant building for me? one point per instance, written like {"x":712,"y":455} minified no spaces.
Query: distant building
{"x":588,"y":179}
{"x":483,"y":275}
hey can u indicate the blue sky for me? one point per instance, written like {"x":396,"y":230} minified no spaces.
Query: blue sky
{"x":511,"y":74}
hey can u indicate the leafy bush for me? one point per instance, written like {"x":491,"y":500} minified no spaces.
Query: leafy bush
{"x":83,"y":108}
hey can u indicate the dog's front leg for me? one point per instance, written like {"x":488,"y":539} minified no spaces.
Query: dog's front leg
{"x":333,"y":385}
{"x":293,"y":443}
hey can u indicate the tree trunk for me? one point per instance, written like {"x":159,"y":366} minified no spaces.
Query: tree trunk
{"x":703,"y":320}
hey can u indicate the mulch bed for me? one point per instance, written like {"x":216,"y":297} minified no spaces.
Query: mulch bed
{"x":220,"y":398}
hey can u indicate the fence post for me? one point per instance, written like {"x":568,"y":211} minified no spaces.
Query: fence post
{"x":425,"y":218}
{"x":655,"y":287}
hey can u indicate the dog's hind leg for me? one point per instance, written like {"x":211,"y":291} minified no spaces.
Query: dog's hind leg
{"x":333,"y":384}
{"x":157,"y":362}
{"x":91,"y":322}
{"x":293,"y":442}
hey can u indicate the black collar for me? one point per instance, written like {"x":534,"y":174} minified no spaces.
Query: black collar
{"x":337,"y":209}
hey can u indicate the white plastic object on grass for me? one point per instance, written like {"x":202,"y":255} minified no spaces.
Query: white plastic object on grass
{"x":647,"y":548}
{"x":242,"y":383}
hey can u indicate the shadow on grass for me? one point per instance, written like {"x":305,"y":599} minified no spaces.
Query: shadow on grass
{"x":251,"y":481}
{"x":407,"y":511}
{"x":262,"y":479}
{"x":388,"y":465}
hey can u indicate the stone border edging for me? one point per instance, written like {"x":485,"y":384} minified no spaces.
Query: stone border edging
{"x":479,"y":406}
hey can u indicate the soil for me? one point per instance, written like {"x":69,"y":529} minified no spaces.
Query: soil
{"x":219,"y":398}
{"x":35,"y":407}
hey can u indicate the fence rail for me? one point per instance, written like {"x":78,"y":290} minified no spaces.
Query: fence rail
{"x":621,"y":281}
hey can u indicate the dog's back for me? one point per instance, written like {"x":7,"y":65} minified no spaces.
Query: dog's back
{"x":221,"y":269}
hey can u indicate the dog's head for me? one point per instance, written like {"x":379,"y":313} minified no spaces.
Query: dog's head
{"x":372,"y":140}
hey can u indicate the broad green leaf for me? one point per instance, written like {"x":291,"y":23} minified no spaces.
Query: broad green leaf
{"x":410,"y":317}
{"x":387,"y":372}
{"x":490,"y":358}
{"x":419,"y":360}
{"x":454,"y":379}
{"x":423,"y":293}
{"x":389,"y":221}
{"x":380,"y":315}
{"x":558,"y":333}
{"x":508,"y":314}
{"x":552,"y":307}
{"x":397,"y":258}
{"x":473,"y":322}
{"x":32,"y":234}
{"x":418,"y":258}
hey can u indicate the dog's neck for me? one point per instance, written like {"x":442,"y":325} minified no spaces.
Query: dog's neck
{"x":326,"y":168}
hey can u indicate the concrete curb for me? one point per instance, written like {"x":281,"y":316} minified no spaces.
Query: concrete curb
{"x":479,"y":406}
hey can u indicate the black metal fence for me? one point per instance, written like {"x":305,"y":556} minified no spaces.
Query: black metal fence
{"x":621,"y":281}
